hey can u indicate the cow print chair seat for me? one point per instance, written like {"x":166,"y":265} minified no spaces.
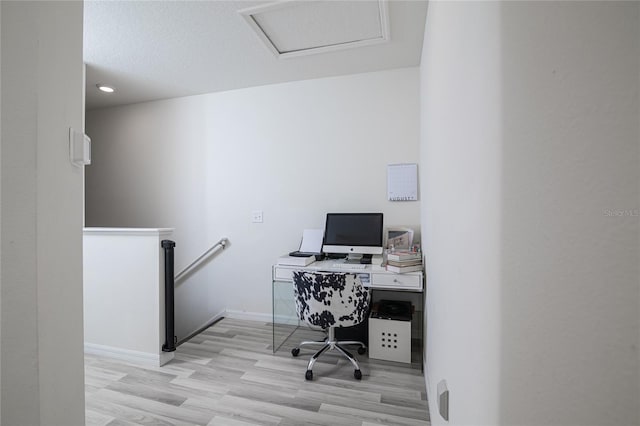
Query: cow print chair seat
{"x":329,"y":300}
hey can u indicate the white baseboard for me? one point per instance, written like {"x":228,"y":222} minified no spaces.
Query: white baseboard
{"x":286,"y":320}
{"x":129,"y":355}
{"x":250,"y":316}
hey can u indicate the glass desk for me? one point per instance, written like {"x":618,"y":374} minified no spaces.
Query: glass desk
{"x":384,"y":285}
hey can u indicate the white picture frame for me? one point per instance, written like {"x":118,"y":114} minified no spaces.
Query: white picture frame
{"x":400,"y":237}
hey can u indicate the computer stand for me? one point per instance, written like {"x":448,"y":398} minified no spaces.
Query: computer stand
{"x":351,"y":258}
{"x":334,"y":256}
{"x":359,"y":258}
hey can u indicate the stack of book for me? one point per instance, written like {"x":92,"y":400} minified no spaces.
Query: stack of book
{"x":404,"y":261}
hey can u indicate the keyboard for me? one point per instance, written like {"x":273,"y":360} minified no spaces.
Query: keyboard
{"x":349,"y":266}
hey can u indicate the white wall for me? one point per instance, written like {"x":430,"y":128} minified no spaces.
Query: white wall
{"x":530,"y":159}
{"x":460,"y":154}
{"x":123,"y":282}
{"x":202,"y":164}
{"x":570,"y":154}
{"x":0,"y":214}
{"x":42,"y":96}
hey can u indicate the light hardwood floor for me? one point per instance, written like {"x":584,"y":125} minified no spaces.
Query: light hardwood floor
{"x":228,"y":375}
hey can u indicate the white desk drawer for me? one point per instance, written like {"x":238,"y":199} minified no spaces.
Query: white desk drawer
{"x":283,"y":273}
{"x":399,"y":281}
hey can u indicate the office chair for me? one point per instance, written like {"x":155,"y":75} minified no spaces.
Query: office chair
{"x":329,"y":300}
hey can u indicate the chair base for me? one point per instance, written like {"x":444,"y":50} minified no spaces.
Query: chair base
{"x":330,"y":343}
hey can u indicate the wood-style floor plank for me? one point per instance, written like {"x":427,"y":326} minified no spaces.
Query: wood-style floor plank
{"x":228,"y":375}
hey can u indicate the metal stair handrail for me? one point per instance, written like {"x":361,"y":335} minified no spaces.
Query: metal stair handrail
{"x":221,"y":243}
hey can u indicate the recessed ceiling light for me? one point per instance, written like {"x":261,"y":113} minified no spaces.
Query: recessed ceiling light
{"x":106,"y":89}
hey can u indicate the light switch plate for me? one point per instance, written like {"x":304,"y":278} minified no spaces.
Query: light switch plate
{"x":256,"y":216}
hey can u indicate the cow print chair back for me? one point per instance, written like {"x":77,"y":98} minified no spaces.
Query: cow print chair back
{"x":328,"y":300}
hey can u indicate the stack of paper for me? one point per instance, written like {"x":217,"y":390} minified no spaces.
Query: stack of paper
{"x":312,"y":241}
{"x":310,"y":245}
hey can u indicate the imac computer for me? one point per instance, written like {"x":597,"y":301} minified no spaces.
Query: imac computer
{"x":358,"y":235}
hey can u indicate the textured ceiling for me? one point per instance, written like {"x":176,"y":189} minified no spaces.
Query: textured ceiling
{"x":300,"y":26}
{"x":151,"y":50}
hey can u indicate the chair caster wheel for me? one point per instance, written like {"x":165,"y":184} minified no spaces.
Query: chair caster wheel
{"x":308,"y":375}
{"x":362,"y":350}
{"x":295,"y":351}
{"x":357,"y":374}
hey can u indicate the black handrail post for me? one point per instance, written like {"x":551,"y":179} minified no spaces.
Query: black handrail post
{"x":169,"y":325}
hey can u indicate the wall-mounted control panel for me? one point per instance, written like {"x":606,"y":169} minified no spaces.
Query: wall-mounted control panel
{"x":79,"y":148}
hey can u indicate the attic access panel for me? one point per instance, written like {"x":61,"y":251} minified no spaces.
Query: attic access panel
{"x":295,"y":28}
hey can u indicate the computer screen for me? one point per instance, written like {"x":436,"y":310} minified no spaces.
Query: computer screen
{"x":353,"y":233}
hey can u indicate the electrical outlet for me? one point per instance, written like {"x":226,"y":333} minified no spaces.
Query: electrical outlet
{"x":443,"y":399}
{"x":256,"y":216}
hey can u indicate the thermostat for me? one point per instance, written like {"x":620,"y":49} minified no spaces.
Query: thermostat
{"x":79,"y":148}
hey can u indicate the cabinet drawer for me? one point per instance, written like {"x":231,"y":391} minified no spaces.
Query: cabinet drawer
{"x":399,"y":281}
{"x":283,"y":273}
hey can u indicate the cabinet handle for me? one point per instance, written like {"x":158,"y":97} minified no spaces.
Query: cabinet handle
{"x":395,"y":280}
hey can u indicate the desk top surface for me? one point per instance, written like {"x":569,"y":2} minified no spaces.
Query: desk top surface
{"x":330,"y":266}
{"x":376,"y":277}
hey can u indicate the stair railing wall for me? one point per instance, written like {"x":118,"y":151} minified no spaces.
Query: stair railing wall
{"x":170,"y":282}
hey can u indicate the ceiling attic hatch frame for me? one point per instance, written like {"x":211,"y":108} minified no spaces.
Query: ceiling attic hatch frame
{"x":293,"y":28}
